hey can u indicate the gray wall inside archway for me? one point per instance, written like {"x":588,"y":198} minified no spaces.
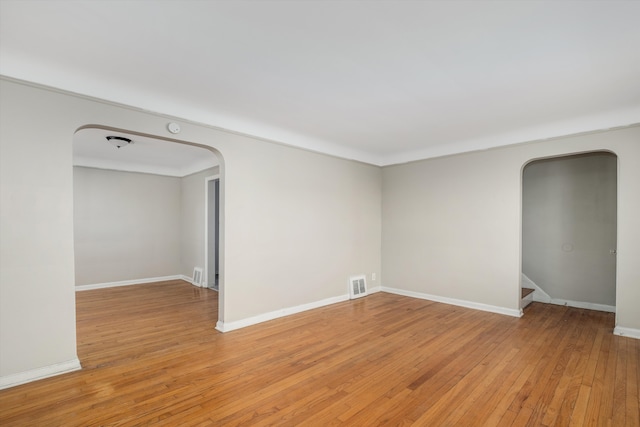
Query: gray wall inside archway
{"x":569,"y":226}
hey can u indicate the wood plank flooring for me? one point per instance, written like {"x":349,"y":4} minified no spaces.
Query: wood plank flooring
{"x":151,"y":356}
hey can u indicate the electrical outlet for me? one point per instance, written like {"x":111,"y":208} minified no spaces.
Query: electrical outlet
{"x":373,"y":277}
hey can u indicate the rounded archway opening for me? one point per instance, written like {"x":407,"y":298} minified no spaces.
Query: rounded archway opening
{"x":569,"y":230}
{"x":141,"y":208}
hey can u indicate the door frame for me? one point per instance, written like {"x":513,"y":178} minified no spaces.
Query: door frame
{"x":206,"y":230}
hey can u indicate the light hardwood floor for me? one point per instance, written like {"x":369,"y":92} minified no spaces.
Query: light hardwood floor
{"x":151,"y":356}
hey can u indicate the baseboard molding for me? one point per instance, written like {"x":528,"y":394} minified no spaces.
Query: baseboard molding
{"x":374,"y":289}
{"x":254,"y":320}
{"x":541,"y":296}
{"x":627,"y":332}
{"x":132,"y":282}
{"x":582,"y":304}
{"x":458,"y":302}
{"x":190,"y":280}
{"x":39,"y":373}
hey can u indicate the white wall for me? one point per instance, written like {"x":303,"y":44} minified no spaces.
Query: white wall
{"x":192,"y":233}
{"x":569,"y":227}
{"x":452,"y":226}
{"x":304,"y":222}
{"x":127,"y":225}
{"x":290,"y":217}
{"x":37,"y":295}
{"x":131,"y":226}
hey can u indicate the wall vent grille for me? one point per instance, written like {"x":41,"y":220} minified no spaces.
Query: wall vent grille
{"x":357,"y":286}
{"x":197,"y":276}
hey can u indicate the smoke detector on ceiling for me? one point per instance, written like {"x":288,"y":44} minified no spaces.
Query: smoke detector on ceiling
{"x":119,"y":141}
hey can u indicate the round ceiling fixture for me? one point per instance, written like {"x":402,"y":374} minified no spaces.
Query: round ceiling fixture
{"x":118,"y":141}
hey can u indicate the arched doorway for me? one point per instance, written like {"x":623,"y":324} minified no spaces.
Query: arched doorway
{"x":163,"y":220}
{"x":569,"y":230}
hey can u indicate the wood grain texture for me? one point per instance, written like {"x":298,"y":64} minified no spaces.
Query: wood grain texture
{"x":151,"y":356}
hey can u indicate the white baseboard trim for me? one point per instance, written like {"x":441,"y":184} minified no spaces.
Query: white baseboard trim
{"x":541,"y":296}
{"x":39,"y":373}
{"x":374,"y":289}
{"x":627,"y":332}
{"x":190,"y":280}
{"x":131,"y":282}
{"x":462,"y":303}
{"x":581,"y":304}
{"x":243,"y":323}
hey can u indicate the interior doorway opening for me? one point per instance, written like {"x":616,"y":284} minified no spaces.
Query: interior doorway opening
{"x":139,"y":209}
{"x":569,"y":230}
{"x":212,"y":233}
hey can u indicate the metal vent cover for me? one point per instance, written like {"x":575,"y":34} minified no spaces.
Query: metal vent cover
{"x":197,"y":276}
{"x":357,"y":286}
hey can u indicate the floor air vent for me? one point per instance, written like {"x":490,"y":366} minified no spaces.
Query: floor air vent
{"x":197,"y":276}
{"x":357,"y":286}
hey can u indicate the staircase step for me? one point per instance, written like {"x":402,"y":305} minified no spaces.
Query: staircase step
{"x":526,"y":291}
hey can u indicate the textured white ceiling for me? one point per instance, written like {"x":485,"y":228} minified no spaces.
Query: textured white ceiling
{"x":378,"y":81}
